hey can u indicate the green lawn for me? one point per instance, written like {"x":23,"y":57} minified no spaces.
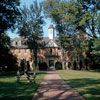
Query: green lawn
{"x":10,"y":90}
{"x":85,"y":82}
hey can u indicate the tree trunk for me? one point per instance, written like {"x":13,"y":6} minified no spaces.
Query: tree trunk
{"x":35,"y":64}
{"x":63,"y":65}
{"x":63,"y":59}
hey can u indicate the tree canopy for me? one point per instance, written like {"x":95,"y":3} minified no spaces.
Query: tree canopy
{"x":83,"y":15}
{"x":8,"y":14}
{"x":77,"y":22}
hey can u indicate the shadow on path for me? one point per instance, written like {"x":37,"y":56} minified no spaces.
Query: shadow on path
{"x":54,"y":88}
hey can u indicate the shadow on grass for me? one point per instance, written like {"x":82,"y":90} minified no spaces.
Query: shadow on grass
{"x":38,"y":73}
{"x":97,"y":71}
{"x":13,"y":74}
{"x":11,"y":90}
{"x":87,"y":87}
{"x":15,"y":91}
{"x":9,"y":73}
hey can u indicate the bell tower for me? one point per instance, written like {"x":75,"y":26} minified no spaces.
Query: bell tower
{"x":51,"y":32}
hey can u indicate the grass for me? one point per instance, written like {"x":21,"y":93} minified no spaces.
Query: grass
{"x":10,"y":90}
{"x":87,"y":83}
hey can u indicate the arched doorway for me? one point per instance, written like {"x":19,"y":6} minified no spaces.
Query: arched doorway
{"x":58,"y":65}
{"x":43,"y":66}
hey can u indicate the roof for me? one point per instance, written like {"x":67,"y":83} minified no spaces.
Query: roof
{"x":54,"y":43}
{"x":50,"y":27}
{"x":17,"y":44}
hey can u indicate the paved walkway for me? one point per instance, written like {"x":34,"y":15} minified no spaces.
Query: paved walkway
{"x":54,"y":88}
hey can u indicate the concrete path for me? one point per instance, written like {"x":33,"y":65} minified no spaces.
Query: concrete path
{"x":54,"y":88}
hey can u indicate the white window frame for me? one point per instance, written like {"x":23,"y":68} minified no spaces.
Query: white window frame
{"x":25,"y":51}
{"x":19,"y":43}
{"x":19,"y":51}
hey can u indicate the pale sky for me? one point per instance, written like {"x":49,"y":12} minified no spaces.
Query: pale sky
{"x":45,"y":27}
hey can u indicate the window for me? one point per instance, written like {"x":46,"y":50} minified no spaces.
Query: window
{"x":30,"y":59}
{"x":19,"y":51}
{"x":19,"y":43}
{"x":58,"y":48}
{"x":42,"y":60}
{"x":25,"y":51}
{"x":51,"y":63}
{"x":25,"y":43}
{"x":31,"y":51}
{"x":50,"y":51}
{"x":16,"y":43}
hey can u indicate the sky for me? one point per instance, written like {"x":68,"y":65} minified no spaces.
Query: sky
{"x":45,"y":26}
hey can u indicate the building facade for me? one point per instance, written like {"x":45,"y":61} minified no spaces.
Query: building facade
{"x":50,"y":54}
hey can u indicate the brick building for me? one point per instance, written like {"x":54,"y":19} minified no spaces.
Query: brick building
{"x":50,"y":54}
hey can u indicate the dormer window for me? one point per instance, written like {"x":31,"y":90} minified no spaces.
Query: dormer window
{"x":25,"y":43}
{"x":16,"y":43}
{"x":19,"y":43}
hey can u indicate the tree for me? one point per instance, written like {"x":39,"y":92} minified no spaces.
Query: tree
{"x":96,"y":50}
{"x":6,"y":57}
{"x":8,"y":14}
{"x":84,"y":15}
{"x":73,"y":18}
{"x":4,"y":48}
{"x":30,"y":26}
{"x":55,"y":10}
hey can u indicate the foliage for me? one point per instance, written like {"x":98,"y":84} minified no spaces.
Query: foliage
{"x":4,"y":48}
{"x":30,"y":25}
{"x":76,"y":22}
{"x":84,"y":16}
{"x":96,"y":50}
{"x":8,"y":14}
{"x":6,"y":57}
{"x":84,"y":82}
{"x":81,"y":15}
